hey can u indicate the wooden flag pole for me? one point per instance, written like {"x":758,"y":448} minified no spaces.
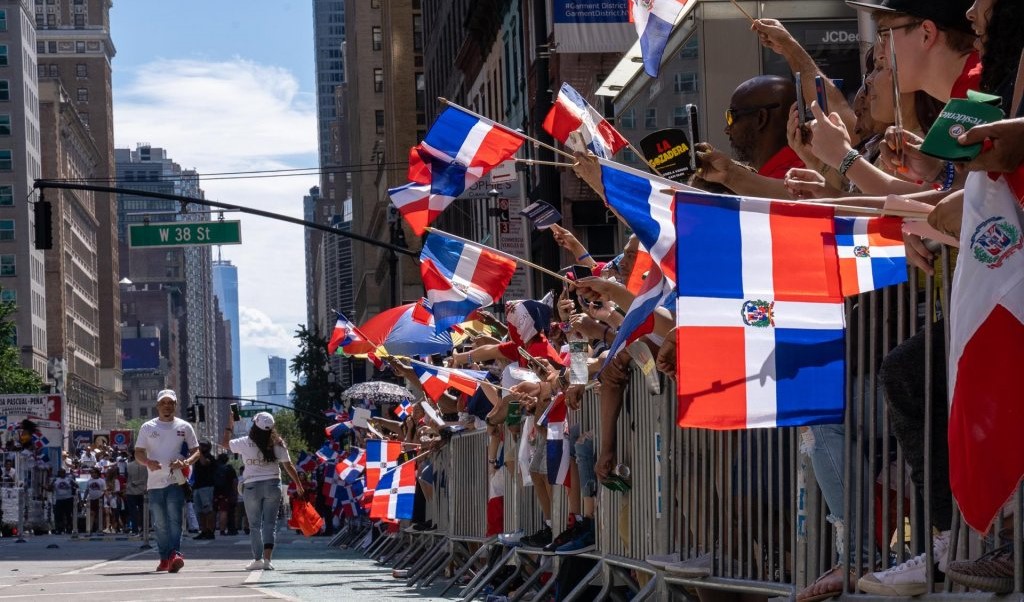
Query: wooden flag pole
{"x":502,"y":253}
{"x":505,"y":128}
{"x":630,"y":146}
{"x":539,"y":162}
{"x":851,"y":208}
{"x":740,"y":8}
{"x":477,"y":380}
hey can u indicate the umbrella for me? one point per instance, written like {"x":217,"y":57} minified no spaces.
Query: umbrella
{"x":401,"y":332}
{"x":377,"y":392}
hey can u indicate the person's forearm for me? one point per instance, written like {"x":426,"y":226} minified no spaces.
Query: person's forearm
{"x":801,"y":62}
{"x":873,"y":181}
{"x":744,"y":182}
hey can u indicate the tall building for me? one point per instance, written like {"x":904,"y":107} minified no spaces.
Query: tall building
{"x":225,"y":287}
{"x":328,"y":39}
{"x":22,"y":277}
{"x":274,"y":388}
{"x":73,"y":44}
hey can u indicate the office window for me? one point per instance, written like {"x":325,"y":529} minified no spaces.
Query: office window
{"x":379,"y":118}
{"x":40,"y":46}
{"x":689,"y":50}
{"x":679,"y":116}
{"x":628,"y":119}
{"x":685,"y":82}
{"x":52,"y":69}
{"x":79,"y":21}
{"x":81,"y":70}
{"x":6,"y":196}
{"x":6,"y":229}
{"x":41,"y":70}
{"x":628,"y":156}
{"x":6,"y":160}
{"x":39,"y":20}
{"x":80,"y":47}
{"x":651,"y":118}
{"x":417,"y":33}
{"x":5,"y":125}
{"x":51,"y":20}
{"x":3,"y":55}
{"x":7,"y":265}
{"x":3,"y":20}
{"x":127,"y":413}
{"x":421,"y":93}
{"x":83,"y":95}
{"x":51,"y":48}
{"x":378,"y":79}
{"x":377,"y":38}
{"x":8,"y":295}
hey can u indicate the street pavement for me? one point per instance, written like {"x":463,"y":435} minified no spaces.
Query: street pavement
{"x":115,"y":569}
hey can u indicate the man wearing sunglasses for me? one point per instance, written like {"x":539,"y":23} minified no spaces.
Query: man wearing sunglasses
{"x":755,"y":123}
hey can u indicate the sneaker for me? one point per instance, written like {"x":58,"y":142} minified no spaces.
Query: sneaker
{"x":268,"y":566}
{"x":694,"y":567}
{"x":539,"y":539}
{"x":510,"y":539}
{"x":177,"y":561}
{"x":662,"y":560}
{"x":400,"y":573}
{"x":255,"y":565}
{"x":164,"y":565}
{"x":584,"y":541}
{"x":991,"y":572}
{"x":564,"y":537}
{"x":911,"y":577}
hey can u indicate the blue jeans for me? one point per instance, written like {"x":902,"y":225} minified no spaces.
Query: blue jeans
{"x":166,"y":505}
{"x":262,"y":502}
{"x":583,"y":451}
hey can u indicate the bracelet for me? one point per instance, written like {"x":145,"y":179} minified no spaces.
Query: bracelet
{"x":469,"y":357}
{"x":582,"y":257}
{"x":948,"y":178}
{"x":848,"y":161}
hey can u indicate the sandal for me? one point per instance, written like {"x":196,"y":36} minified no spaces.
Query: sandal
{"x":833,"y":579}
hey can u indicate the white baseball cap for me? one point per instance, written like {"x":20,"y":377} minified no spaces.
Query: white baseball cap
{"x":264,"y":420}
{"x":167,"y":394}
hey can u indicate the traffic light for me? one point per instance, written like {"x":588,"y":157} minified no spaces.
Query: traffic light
{"x":44,"y":224}
{"x":190,"y":413}
{"x":201,"y":410}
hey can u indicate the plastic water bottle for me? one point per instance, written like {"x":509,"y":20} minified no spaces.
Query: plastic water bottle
{"x":577,"y":359}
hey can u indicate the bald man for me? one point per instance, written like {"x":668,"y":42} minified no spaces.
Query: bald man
{"x":756,"y":127}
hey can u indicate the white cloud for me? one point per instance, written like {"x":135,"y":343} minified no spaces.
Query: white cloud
{"x":237,"y":115}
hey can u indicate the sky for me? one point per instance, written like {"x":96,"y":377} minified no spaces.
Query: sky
{"x":229,"y":86}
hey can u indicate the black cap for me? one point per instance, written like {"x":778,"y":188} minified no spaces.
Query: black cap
{"x":946,"y":13}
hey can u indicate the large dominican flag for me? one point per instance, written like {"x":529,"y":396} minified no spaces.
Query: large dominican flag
{"x":460,"y":278}
{"x":467,"y":144}
{"x":418,"y":205}
{"x":572,"y":113}
{"x":871,"y":253}
{"x":654,"y":20}
{"x":986,"y":458}
{"x":760,"y":314}
{"x":395,"y":493}
{"x":381,"y":456}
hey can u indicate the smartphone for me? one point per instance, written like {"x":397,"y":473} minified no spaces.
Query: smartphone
{"x":533,"y":362}
{"x":801,"y":106}
{"x":819,"y":89}
{"x":580,"y":272}
{"x":234,"y":412}
{"x":569,"y":288}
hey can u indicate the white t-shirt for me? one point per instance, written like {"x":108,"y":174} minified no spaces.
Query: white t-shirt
{"x":162,"y":441}
{"x":256,"y":468}
{"x":95,"y":488}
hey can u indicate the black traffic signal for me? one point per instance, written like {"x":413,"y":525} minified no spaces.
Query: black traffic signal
{"x":201,"y":410}
{"x":190,"y":413}
{"x":44,"y":224}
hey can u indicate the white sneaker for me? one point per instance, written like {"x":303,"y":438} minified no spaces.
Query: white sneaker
{"x":255,"y":565}
{"x":909,"y":578}
{"x":268,"y":566}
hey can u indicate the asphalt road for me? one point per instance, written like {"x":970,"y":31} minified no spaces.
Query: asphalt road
{"x":117,"y":569}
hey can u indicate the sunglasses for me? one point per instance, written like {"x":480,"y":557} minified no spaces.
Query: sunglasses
{"x":884,"y":32}
{"x":732,"y":114}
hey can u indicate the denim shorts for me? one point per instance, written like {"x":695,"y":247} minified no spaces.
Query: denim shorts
{"x":583,"y":451}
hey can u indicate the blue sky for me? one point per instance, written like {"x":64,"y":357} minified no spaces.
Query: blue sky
{"x":229,"y":86}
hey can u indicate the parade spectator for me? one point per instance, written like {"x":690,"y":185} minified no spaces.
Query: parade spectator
{"x":225,"y":495}
{"x":159,"y":448}
{"x":204,"y":480}
{"x":64,"y":490}
{"x":135,"y":493}
{"x":113,"y":503}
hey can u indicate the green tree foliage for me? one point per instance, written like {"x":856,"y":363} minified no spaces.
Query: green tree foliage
{"x":312,"y":389}
{"x":13,"y":378}
{"x":287,"y":425}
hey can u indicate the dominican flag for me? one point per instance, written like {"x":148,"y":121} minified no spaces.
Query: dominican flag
{"x":463,"y":147}
{"x":403,"y":410}
{"x":306,"y":462}
{"x":556,"y":419}
{"x":418,"y":205}
{"x":639,"y":320}
{"x":335,"y":411}
{"x":760,"y":337}
{"x":347,"y":505}
{"x":332,"y":486}
{"x":338,"y":430}
{"x":327,"y":453}
{"x":436,"y":380}
{"x":460,"y":278}
{"x":381,"y":456}
{"x":645,"y":202}
{"x":871,"y":253}
{"x":39,"y":441}
{"x":395,"y":493}
{"x":654,"y":20}
{"x":345,"y":333}
{"x":986,"y":459}
{"x":572,"y":113}
{"x":351,"y":467}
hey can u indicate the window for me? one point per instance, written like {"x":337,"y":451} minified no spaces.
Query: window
{"x":6,"y":196}
{"x":83,"y":95}
{"x":52,"y":69}
{"x":3,"y":55}
{"x":3,"y":20}
{"x":51,"y":48}
{"x":421,"y":93}
{"x":80,"y":47}
{"x":8,"y":295}
{"x":379,"y":118}
{"x":81,"y":70}
{"x":689,"y":51}
{"x":39,"y":20}
{"x":378,"y":79}
{"x":377,"y":38}
{"x":374,"y":3}
{"x":6,"y":160}
{"x":628,"y":119}
{"x":5,"y":125}
{"x":7,"y":265}
{"x":685,"y":82}
{"x":628,"y":155}
{"x":417,"y":33}
{"x":651,"y":118}
{"x":51,"y":20}
{"x":85,"y":118}
{"x":79,"y":21}
{"x":127,"y":413}
{"x":40,"y":46}
{"x":679,"y":116}
{"x":41,"y":70}
{"x":6,"y":229}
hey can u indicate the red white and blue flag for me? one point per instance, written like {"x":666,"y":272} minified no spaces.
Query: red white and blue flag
{"x":347,"y":504}
{"x":460,"y":148}
{"x":332,"y":487}
{"x":646,"y":204}
{"x":351,"y":467}
{"x":572,"y":113}
{"x":306,"y":462}
{"x":418,"y":205}
{"x":760,"y":337}
{"x":345,"y":333}
{"x":404,"y":409}
{"x":394,"y":495}
{"x":654,"y":20}
{"x":556,"y":419}
{"x":328,"y":452}
{"x":639,"y":320}
{"x":871,"y":253}
{"x":460,"y":278}
{"x":336,"y":411}
{"x":381,"y":456}
{"x":338,"y":430}
{"x":436,"y":380}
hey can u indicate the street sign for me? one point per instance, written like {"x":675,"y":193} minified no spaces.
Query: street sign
{"x":184,"y":234}
{"x":250,"y":412}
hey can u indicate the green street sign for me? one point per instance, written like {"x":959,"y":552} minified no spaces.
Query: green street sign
{"x":185,"y":234}
{"x":250,"y":412}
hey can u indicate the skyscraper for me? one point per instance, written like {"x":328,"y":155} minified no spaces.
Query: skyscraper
{"x":274,"y":388}
{"x":225,"y":287}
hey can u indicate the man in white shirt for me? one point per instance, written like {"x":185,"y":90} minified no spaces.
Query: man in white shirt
{"x":158,"y":448}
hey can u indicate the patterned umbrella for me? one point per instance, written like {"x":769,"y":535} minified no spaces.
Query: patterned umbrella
{"x":403,"y":330}
{"x":377,"y":392}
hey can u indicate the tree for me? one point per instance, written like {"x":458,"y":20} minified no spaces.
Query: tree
{"x":312,"y":388}
{"x":14,"y":378}
{"x":286,"y":423}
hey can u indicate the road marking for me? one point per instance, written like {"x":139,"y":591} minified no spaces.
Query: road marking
{"x":107,"y":563}
{"x":254,"y":576}
{"x":108,"y":591}
{"x":119,"y":579}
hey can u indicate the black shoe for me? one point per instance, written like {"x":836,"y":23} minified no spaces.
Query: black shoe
{"x":539,"y":539}
{"x":565,"y":537}
{"x":230,"y":533}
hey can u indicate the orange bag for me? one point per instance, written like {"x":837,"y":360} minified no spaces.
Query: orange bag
{"x":306,"y":518}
